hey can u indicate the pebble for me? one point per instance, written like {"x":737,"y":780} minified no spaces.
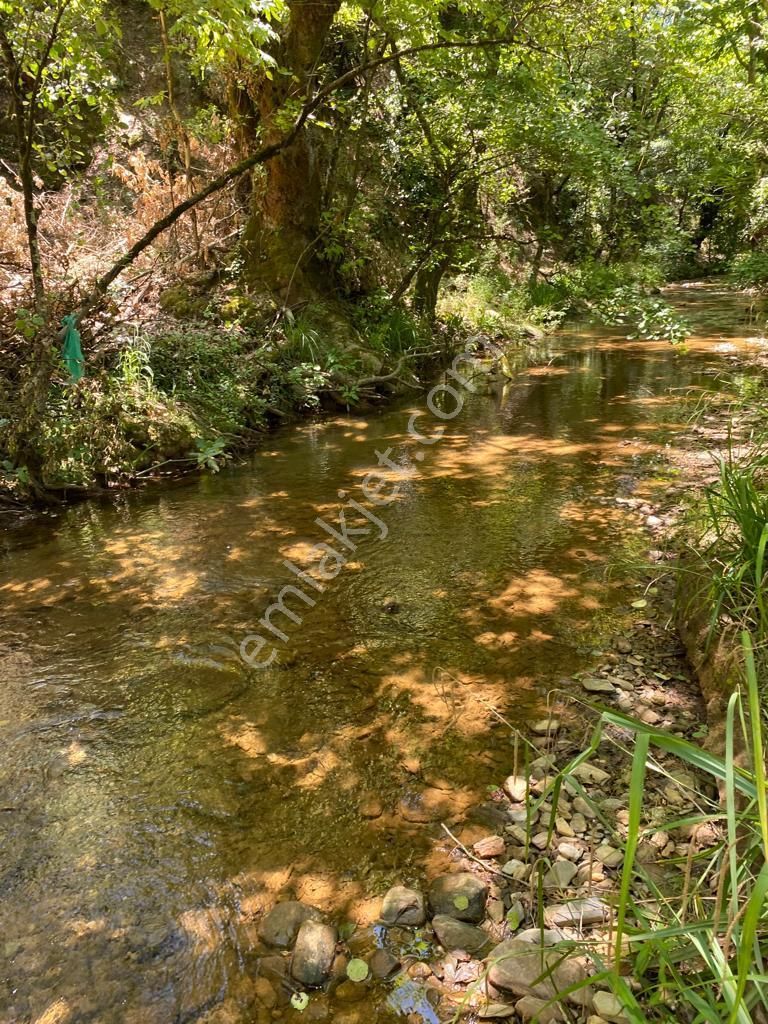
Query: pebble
{"x":496,"y":1011}
{"x":609,"y":856}
{"x":402,"y":906}
{"x":579,"y":824}
{"x":563,"y":828}
{"x":577,"y":913}
{"x":570,"y":851}
{"x":540,"y":840}
{"x":623,"y":646}
{"x":560,"y":875}
{"x":491,"y":846}
{"x":593,"y":685}
{"x":583,"y":807}
{"x":447,"y":890}
{"x":383,"y":964}
{"x":590,"y":774}
{"x":608,"y":1007}
{"x":546,"y":726}
{"x":516,"y":788}
{"x":313,"y":954}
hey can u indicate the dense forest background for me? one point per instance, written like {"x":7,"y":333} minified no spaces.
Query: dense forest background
{"x":250,"y":208}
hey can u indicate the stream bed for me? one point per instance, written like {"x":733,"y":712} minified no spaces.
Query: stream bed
{"x":157,"y":794}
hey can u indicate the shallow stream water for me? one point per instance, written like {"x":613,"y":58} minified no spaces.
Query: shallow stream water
{"x":156,"y":794}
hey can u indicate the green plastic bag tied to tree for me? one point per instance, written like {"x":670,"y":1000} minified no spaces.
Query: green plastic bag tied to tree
{"x":71,"y":351}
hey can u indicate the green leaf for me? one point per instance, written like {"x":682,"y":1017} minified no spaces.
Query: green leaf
{"x":300,"y":1001}
{"x":460,"y":902}
{"x":357,"y":970}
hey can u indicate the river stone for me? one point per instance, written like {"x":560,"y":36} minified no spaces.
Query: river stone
{"x":453,"y":934}
{"x":496,"y":1011}
{"x":577,"y":912}
{"x":609,"y":855}
{"x":608,"y":1007}
{"x":560,"y":875}
{"x":593,"y":685}
{"x":546,"y":726}
{"x":516,"y":788}
{"x":313,"y":954}
{"x":281,"y":925}
{"x":531,"y":1008}
{"x":490,"y":846}
{"x":590,"y":774}
{"x":403,"y":906}
{"x":517,"y":967}
{"x":623,"y":646}
{"x":383,"y":964}
{"x":446,"y":890}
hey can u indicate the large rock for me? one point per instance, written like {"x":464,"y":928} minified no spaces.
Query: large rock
{"x":403,"y":906}
{"x":461,"y":896}
{"x":537,"y":1010}
{"x":453,"y":934}
{"x":528,"y":970}
{"x":313,"y":954}
{"x":281,"y":925}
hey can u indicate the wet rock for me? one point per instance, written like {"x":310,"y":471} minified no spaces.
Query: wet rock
{"x":516,"y":966}
{"x":577,"y":913}
{"x":538,"y":1010}
{"x":449,"y":893}
{"x":265,"y":992}
{"x":313,"y":954}
{"x":608,"y":1007}
{"x":490,"y":846}
{"x":516,"y":788}
{"x":350,"y":992}
{"x":383,"y":964}
{"x":560,"y":875}
{"x":453,"y":934}
{"x":401,"y":906}
{"x":281,"y":925}
{"x":428,"y":805}
{"x":371,"y":807}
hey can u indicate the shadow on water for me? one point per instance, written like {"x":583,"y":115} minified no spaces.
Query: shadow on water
{"x":156,"y":795}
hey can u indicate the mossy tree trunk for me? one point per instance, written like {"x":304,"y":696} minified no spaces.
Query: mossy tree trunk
{"x":287,"y":200}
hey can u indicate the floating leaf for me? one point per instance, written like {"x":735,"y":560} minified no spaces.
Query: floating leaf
{"x":300,"y":1001}
{"x":347,"y":929}
{"x":642,"y":603}
{"x":460,"y":902}
{"x":357,"y":970}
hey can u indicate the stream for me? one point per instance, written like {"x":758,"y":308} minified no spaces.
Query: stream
{"x":157,"y":795}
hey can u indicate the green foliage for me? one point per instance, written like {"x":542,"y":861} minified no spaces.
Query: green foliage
{"x":749,"y":270}
{"x":732,"y":535}
{"x":492,"y":305}
{"x":695,"y":939}
{"x":651,"y":319}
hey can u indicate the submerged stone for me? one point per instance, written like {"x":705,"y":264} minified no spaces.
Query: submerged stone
{"x":281,"y":925}
{"x":313,"y":954}
{"x":461,"y":896}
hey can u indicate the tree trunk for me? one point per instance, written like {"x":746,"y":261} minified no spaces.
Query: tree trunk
{"x":427,"y":288}
{"x":285,"y":222}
